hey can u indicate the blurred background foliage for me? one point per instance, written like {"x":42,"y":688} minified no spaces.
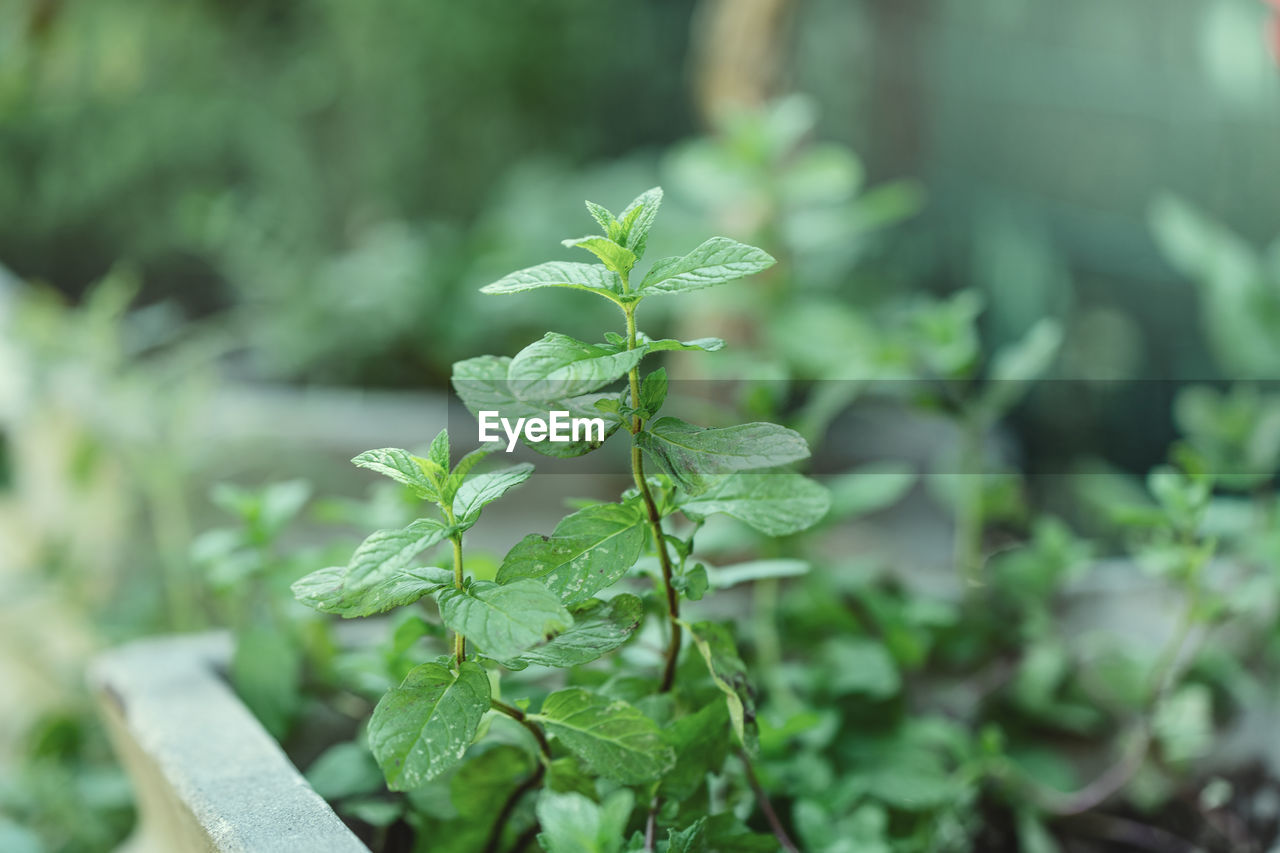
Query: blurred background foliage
{"x":200,"y":197}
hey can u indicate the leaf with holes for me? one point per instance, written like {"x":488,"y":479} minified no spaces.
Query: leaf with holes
{"x":423,"y":727}
{"x":380,"y":574}
{"x":777,"y":503}
{"x":598,"y":627}
{"x":559,"y":366}
{"x":692,"y":455}
{"x":612,"y":737}
{"x":483,"y":385}
{"x":504,"y":620}
{"x":588,"y":551}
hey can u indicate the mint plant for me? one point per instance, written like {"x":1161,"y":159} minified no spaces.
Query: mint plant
{"x":653,"y":728}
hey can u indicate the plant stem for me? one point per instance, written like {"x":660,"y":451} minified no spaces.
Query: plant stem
{"x":521,"y":718}
{"x":655,"y":520}
{"x":784,"y":841}
{"x":495,"y":835}
{"x":459,"y":641}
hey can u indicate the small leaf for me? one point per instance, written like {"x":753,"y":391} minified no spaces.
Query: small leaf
{"x":423,"y":727}
{"x":718,"y":650}
{"x":653,"y":391}
{"x":638,"y":217}
{"x":691,"y":839}
{"x":873,"y":487}
{"x":327,"y":589}
{"x":464,"y":466}
{"x":598,"y":627}
{"x":755,"y":570}
{"x":602,"y":216}
{"x":504,"y":620}
{"x":693,"y":583}
{"x":701,"y":744}
{"x":378,"y":576}
{"x":344,"y":770}
{"x":481,"y":489}
{"x":589,"y":277}
{"x":588,"y":551}
{"x":615,"y":739}
{"x":559,"y":366}
{"x":574,"y":823}
{"x":777,"y":503}
{"x":717,"y":261}
{"x":698,"y":344}
{"x":438,"y":454}
{"x":1016,"y":366}
{"x":617,"y":258}
{"x":401,"y":466}
{"x":483,"y":385}
{"x":692,"y":454}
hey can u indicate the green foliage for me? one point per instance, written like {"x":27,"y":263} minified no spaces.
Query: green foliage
{"x":587,"y":552}
{"x":423,"y":727}
{"x":539,"y":608}
{"x":506,"y":619}
{"x":612,"y":738}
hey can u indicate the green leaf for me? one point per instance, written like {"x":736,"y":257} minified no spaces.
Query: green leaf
{"x":720,"y":652}
{"x":1017,"y":365}
{"x":589,"y":277}
{"x":504,"y":619}
{"x":638,"y":218}
{"x":701,"y":744}
{"x":860,"y":665}
{"x":573,"y":823}
{"x":588,"y":551}
{"x":483,"y":385}
{"x":463,"y":468}
{"x":345,"y":770}
{"x":423,"y":727}
{"x":755,"y":570}
{"x":602,"y":216}
{"x":266,"y":669}
{"x":777,"y":503}
{"x":598,"y":627}
{"x":693,"y":582}
{"x":559,"y":366}
{"x":401,"y":466}
{"x":328,"y":591}
{"x":653,"y":391}
{"x":691,"y":839}
{"x":378,"y":576}
{"x":617,"y":258}
{"x":489,"y":778}
{"x":871,"y":488}
{"x":717,"y":261}
{"x":438,"y":455}
{"x":613,"y":738}
{"x":698,"y":344}
{"x":481,"y":489}
{"x":693,"y":454}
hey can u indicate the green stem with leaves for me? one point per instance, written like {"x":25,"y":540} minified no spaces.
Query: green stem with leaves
{"x":459,"y":641}
{"x":651,"y":507}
